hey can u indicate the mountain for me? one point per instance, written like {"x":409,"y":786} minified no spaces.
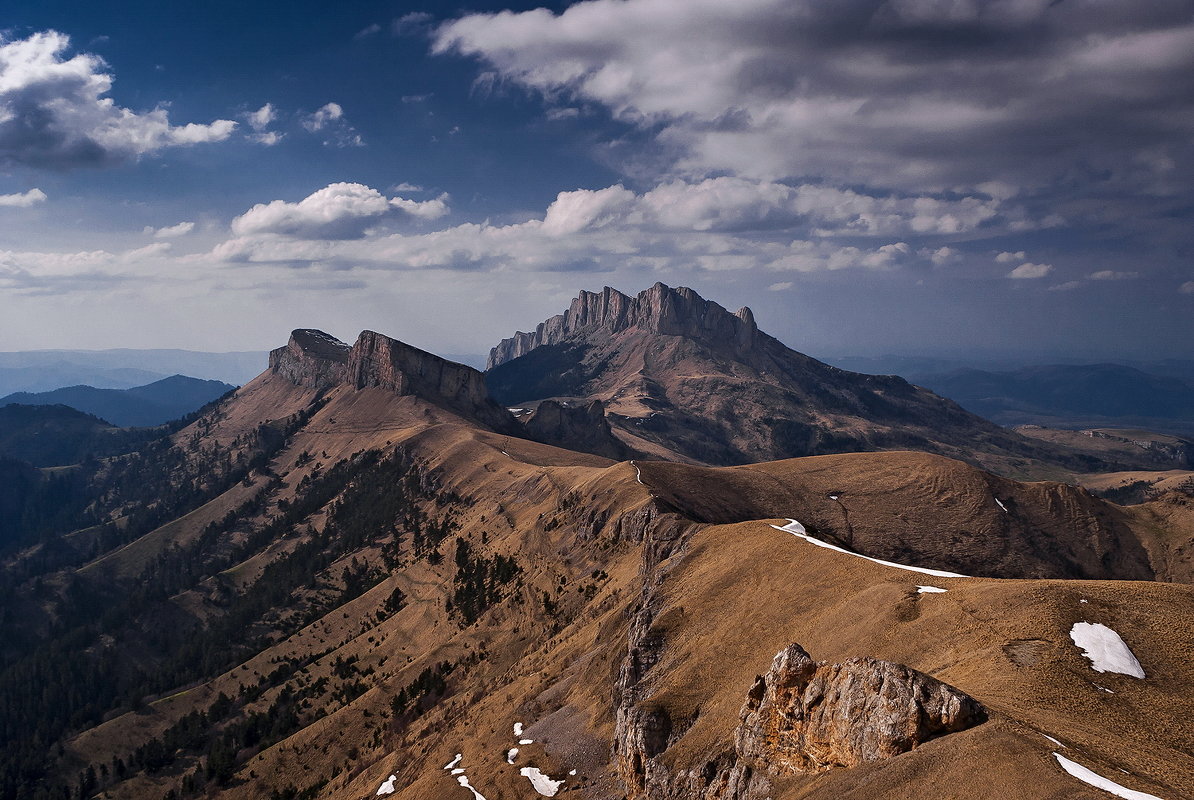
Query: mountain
{"x":354,"y":577}
{"x":140,"y":406}
{"x":682,"y":377}
{"x":114,"y":368}
{"x":1072,"y":396}
{"x":56,"y":375}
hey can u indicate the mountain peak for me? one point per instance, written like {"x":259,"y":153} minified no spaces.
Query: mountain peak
{"x":659,"y":309}
{"x":311,"y":358}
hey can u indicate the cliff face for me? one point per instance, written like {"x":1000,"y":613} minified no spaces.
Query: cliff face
{"x":315,"y":359}
{"x":311,"y":358}
{"x":660,"y":309}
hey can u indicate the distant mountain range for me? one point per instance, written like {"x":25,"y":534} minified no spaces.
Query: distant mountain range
{"x":139,"y":406}
{"x":43,"y":370}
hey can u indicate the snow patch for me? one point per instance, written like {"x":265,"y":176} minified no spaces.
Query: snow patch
{"x":638,"y":473}
{"x":511,"y":754}
{"x":1102,"y":688}
{"x":930,"y":590}
{"x":999,"y":503}
{"x":526,"y":741}
{"x":571,"y":772}
{"x":452,"y":764}
{"x":518,"y":727}
{"x":543,"y":784}
{"x":458,"y":771}
{"x":1106,"y":784}
{"x":795,"y":528}
{"x":388,"y":786}
{"x":463,"y":781}
{"x":1107,"y":651}
{"x":1050,"y":738}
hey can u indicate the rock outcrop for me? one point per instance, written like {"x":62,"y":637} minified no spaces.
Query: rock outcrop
{"x":802,"y":717}
{"x":660,"y":309}
{"x":806,"y":716}
{"x":311,"y":358}
{"x":575,"y":426}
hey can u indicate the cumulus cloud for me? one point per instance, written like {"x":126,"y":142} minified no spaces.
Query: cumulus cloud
{"x":338,"y":211}
{"x":1029,"y":270}
{"x":1010,"y":258}
{"x":171,"y":231}
{"x":23,"y":199}
{"x":782,"y":286}
{"x":54,"y":112}
{"x":589,"y":230}
{"x":322,"y":117}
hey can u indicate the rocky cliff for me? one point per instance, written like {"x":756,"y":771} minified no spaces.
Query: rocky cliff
{"x":311,"y":358}
{"x":659,"y":309}
{"x":315,"y":359}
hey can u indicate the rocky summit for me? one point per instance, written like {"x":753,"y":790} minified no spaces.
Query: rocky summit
{"x":683,"y":378}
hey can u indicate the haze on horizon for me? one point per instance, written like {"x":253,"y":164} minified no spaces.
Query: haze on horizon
{"x":869,"y":176}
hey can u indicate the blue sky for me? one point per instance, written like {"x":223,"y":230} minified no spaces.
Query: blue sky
{"x":871,"y":176}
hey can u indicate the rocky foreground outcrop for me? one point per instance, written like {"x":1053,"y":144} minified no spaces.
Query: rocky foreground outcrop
{"x":659,"y":309}
{"x":807,"y":716}
{"x":802,"y":717}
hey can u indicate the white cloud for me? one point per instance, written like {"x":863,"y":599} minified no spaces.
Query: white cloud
{"x":260,"y":119}
{"x":329,"y":119}
{"x":1029,"y":271}
{"x":1186,"y":288}
{"x":322,"y":117}
{"x":171,"y":231}
{"x":1010,"y":258}
{"x":782,"y":286}
{"x":54,"y":113}
{"x":268,"y":138}
{"x":1112,"y":275}
{"x":23,"y":199}
{"x":338,"y":211}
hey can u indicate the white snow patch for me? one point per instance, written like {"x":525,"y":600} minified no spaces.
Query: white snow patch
{"x":517,"y":729}
{"x":999,"y":503}
{"x":638,"y":473}
{"x":463,"y":781}
{"x":795,"y":528}
{"x":451,"y":764}
{"x":511,"y":754}
{"x":571,"y":772}
{"x":526,"y":741}
{"x":543,"y":784}
{"x":1050,"y":738}
{"x":930,"y":590}
{"x":1102,"y":688}
{"x":833,"y":497}
{"x":1105,"y":648}
{"x":1083,"y":601}
{"x":1094,"y":779}
{"x":458,"y":771}
{"x":387,"y":787}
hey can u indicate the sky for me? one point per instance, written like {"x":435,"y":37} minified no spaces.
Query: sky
{"x":869,"y":176}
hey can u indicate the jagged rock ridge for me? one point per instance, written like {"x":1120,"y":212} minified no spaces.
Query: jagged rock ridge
{"x":659,"y":309}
